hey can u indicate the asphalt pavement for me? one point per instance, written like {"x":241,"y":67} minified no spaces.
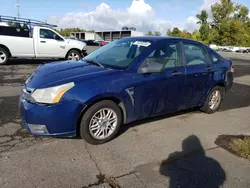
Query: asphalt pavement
{"x":175,"y":150}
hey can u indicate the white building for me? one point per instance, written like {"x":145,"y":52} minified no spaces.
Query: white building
{"x":109,"y":35}
{"x":84,"y":35}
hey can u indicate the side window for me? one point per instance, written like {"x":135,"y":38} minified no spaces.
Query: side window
{"x":194,"y":54}
{"x":48,"y":34}
{"x":167,"y":55}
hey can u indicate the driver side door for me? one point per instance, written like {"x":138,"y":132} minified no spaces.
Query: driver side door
{"x":50,"y":45}
{"x":160,"y":93}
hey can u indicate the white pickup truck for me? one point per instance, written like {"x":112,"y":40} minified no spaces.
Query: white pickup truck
{"x":37,"y":43}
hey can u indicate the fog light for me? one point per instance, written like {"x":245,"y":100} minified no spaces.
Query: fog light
{"x":38,"y":129}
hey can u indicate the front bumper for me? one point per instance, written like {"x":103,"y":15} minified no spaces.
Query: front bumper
{"x":50,"y":120}
{"x":84,"y":53}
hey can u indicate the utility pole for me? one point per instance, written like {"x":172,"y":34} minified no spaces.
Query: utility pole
{"x":18,"y":7}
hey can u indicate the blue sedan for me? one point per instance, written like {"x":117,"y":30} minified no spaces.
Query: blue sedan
{"x":127,"y":80}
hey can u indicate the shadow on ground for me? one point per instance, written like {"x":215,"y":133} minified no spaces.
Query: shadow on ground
{"x":241,"y":70}
{"x":27,"y":61}
{"x":238,"y":97}
{"x":191,"y":167}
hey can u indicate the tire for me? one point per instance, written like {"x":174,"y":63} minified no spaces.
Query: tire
{"x":208,"y":108}
{"x":73,"y":55}
{"x":4,"y":56}
{"x":88,"y":119}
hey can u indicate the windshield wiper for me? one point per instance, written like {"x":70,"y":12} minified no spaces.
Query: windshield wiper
{"x":94,"y":63}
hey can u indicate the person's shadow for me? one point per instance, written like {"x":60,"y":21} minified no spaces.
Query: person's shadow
{"x":191,"y":168}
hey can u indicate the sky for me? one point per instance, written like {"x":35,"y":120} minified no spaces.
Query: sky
{"x":145,"y":15}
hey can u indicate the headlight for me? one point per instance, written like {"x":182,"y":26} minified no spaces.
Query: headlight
{"x":85,"y":47}
{"x":51,"y":95}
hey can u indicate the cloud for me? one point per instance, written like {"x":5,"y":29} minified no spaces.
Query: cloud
{"x":139,"y":7}
{"x":191,"y":23}
{"x":139,"y":15}
{"x":207,"y":6}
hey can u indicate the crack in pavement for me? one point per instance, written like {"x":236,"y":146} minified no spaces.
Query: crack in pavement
{"x":20,"y":138}
{"x":91,"y":157}
{"x":138,"y":178}
{"x":101,"y":178}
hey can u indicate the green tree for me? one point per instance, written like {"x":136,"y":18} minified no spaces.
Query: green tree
{"x":196,"y":35}
{"x":242,"y":13}
{"x":230,"y":24}
{"x":157,"y":33}
{"x":176,"y":32}
{"x":169,"y":32}
{"x":150,"y":33}
{"x":186,"y":34}
{"x":222,"y":11}
{"x":204,"y":26}
{"x":15,"y":25}
{"x":66,"y":32}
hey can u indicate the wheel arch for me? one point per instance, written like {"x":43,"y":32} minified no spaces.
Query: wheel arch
{"x":6,"y":48}
{"x":219,"y":84}
{"x":119,"y":103}
{"x":78,"y":50}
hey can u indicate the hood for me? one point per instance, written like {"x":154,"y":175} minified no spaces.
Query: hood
{"x":57,"y":73}
{"x":76,"y":42}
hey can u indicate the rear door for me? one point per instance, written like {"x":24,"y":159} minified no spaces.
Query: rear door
{"x":49,"y":44}
{"x":197,"y":73}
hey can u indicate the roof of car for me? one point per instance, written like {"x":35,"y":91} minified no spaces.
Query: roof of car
{"x":158,"y":38}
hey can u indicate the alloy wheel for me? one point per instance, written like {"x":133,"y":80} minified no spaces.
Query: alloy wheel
{"x":3,"y":57}
{"x":215,"y":100}
{"x":73,"y":56}
{"x":103,"y":123}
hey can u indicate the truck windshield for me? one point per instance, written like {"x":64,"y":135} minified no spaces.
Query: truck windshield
{"x":119,"y":54}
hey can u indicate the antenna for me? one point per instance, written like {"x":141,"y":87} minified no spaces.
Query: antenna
{"x":18,"y":7}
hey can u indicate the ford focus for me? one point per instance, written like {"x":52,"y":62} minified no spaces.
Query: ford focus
{"x":124,"y":81}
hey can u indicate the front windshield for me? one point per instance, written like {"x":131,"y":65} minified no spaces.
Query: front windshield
{"x":119,"y":54}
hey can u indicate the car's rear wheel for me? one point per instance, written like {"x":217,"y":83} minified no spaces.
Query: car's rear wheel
{"x":214,"y":100}
{"x":101,"y":122}
{"x":4,"y":56}
{"x":73,"y":55}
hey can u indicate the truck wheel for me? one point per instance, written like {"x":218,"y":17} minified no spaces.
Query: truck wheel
{"x":101,"y":122}
{"x":214,"y":100}
{"x":73,"y":55}
{"x":4,"y":56}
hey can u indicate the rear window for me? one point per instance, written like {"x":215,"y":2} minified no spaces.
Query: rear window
{"x":215,"y":57}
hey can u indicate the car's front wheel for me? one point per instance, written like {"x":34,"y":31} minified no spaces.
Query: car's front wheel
{"x":73,"y":55}
{"x":4,"y":56}
{"x":101,"y":122}
{"x":214,"y":100}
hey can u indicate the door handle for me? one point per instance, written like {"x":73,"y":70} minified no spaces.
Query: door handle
{"x":209,"y":68}
{"x":43,"y":41}
{"x":176,"y":73}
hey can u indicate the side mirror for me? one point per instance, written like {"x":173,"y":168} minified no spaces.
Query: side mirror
{"x":152,"y":67}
